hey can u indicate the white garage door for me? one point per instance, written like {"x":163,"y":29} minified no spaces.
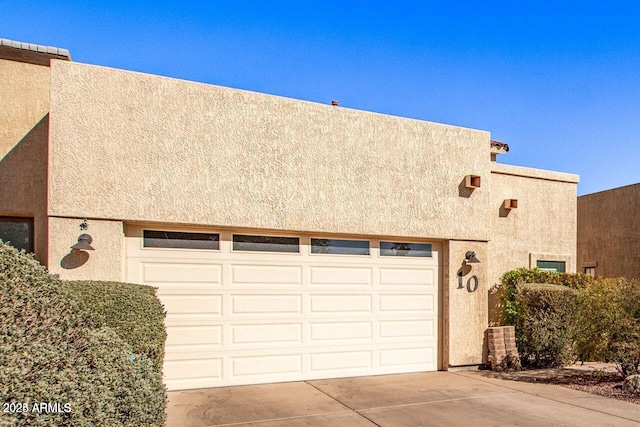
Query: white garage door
{"x":249,"y":307}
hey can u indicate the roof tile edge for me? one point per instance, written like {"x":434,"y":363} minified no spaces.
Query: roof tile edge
{"x":59,"y":53}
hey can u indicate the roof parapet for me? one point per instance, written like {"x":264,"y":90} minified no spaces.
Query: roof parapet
{"x":31,"y":53}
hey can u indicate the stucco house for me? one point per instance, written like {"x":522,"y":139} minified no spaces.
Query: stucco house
{"x":288,"y":240}
{"x":609,"y":232}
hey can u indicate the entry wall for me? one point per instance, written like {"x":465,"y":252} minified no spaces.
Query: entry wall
{"x":609,"y":232}
{"x":466,"y":298}
{"x":24,"y":128}
{"x":542,"y":227}
{"x":137,"y":147}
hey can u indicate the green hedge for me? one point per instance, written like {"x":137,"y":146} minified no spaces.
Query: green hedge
{"x":52,"y":352}
{"x":511,"y":279}
{"x":132,"y":311}
{"x":545,"y":324}
{"x":573,"y":317}
{"x":609,"y":324}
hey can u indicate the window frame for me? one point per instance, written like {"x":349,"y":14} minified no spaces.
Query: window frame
{"x":380,"y":249}
{"x":170,"y":248}
{"x":250,"y":251}
{"x":30,"y":225}
{"x":564,"y":264}
{"x":368,"y":255}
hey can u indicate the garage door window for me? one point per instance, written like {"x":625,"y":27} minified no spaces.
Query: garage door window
{"x":339,"y":247}
{"x":422,"y":250}
{"x":180,"y":240}
{"x":243,"y":242}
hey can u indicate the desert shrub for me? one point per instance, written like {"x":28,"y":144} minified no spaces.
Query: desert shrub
{"x":545,"y":324}
{"x":51,"y":352}
{"x":511,"y":279}
{"x":132,"y":311}
{"x":127,"y":387}
{"x":609,"y":324}
{"x":573,"y":317}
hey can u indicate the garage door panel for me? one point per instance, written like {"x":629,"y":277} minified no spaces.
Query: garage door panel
{"x":341,"y":361}
{"x":422,"y":357}
{"x":250,"y":317}
{"x":185,"y":289}
{"x":179,"y":273}
{"x":192,"y":304}
{"x":266,"y":304}
{"x":266,"y":365}
{"x":209,"y":369}
{"x":408,"y":328}
{"x":340,"y":304}
{"x":407,"y":303}
{"x":172,"y":320}
{"x":194,"y":335}
{"x":339,"y":331}
{"x":340,"y":276}
{"x":266,"y":276}
{"x":258,"y":334}
{"x":422,"y":277}
{"x":193,"y":383}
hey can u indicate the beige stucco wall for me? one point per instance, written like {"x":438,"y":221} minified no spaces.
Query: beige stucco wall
{"x":24,"y":127}
{"x":25,"y":101}
{"x":609,"y":232}
{"x":465,"y":296}
{"x":104,"y":263}
{"x":130,"y":146}
{"x":543,"y":227}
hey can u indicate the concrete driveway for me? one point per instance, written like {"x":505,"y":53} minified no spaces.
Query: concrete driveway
{"x":423,"y":399}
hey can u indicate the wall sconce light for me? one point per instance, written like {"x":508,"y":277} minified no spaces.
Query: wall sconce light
{"x":470,"y":258}
{"x":84,"y":243}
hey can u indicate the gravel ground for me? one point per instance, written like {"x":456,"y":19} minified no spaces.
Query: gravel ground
{"x":591,"y":377}
{"x":607,"y":384}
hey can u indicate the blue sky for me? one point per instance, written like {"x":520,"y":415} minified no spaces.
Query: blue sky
{"x":558,"y":81}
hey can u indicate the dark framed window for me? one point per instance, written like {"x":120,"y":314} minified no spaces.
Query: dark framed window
{"x":243,"y":242}
{"x":340,"y":247}
{"x":552,"y":266}
{"x":18,"y":232}
{"x":180,"y":240}
{"x":591,"y":271}
{"x":422,"y":250}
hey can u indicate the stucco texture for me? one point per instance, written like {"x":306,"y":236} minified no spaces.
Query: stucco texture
{"x":466,"y":299}
{"x":24,"y":129}
{"x":25,"y":101}
{"x":609,"y":232}
{"x":542,"y":226}
{"x":136,"y":147}
{"x":104,"y":263}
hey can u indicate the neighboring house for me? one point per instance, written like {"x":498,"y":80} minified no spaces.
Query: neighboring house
{"x":288,"y":240}
{"x":609,"y":232}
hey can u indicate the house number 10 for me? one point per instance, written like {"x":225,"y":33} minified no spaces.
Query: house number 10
{"x":472,"y":283}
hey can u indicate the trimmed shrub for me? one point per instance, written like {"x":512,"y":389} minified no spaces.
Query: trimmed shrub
{"x":584,"y":319}
{"x":545,"y":324}
{"x":51,"y":353}
{"x":609,"y":324}
{"x":511,"y":279}
{"x":132,"y":311}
